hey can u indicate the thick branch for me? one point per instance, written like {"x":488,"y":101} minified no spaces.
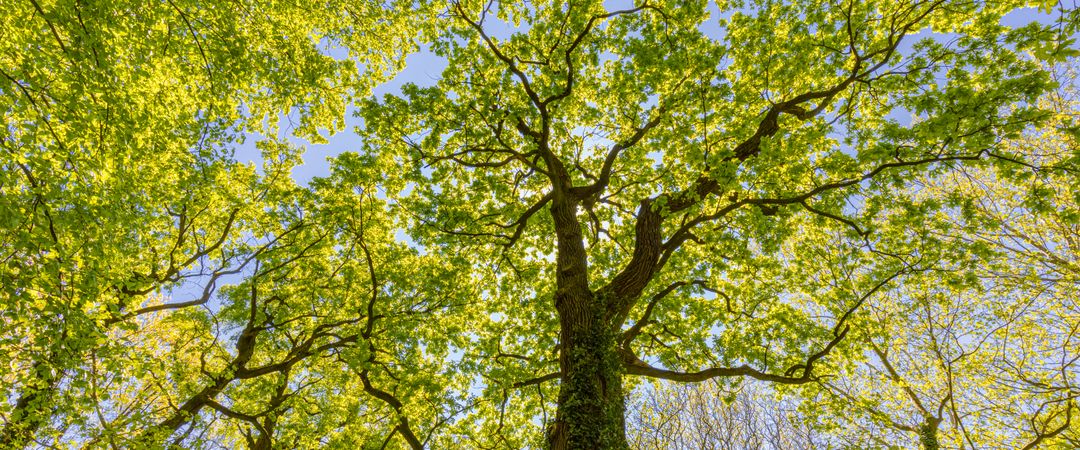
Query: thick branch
{"x":403,"y":422}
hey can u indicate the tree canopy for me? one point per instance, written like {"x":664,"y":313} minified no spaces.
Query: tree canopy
{"x":870,"y":207}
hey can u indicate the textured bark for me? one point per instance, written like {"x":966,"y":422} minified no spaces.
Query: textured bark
{"x":928,"y":434}
{"x":627,"y":286}
{"x":591,"y":409}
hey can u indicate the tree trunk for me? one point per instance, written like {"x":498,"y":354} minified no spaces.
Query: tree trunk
{"x":590,"y":412}
{"x":928,"y":434}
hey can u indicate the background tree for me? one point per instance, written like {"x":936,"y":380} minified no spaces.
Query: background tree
{"x":986,"y":356}
{"x":118,"y":182}
{"x":710,"y":415}
{"x":320,"y":343}
{"x":617,"y":164}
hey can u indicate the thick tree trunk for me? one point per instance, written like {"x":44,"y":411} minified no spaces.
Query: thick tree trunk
{"x":928,"y":434}
{"x":590,"y":412}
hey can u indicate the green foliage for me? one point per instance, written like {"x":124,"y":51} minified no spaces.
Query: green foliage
{"x":584,"y":198}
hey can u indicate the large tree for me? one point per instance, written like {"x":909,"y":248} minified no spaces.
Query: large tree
{"x":586,"y":195}
{"x":117,"y":181}
{"x":676,"y":192}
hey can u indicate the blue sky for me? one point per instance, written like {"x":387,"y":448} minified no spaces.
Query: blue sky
{"x":424,"y":68}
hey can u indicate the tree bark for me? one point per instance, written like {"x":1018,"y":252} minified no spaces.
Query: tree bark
{"x":928,"y":434}
{"x":590,"y":410}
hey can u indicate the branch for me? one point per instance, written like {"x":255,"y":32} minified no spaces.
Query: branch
{"x":829,"y":215}
{"x":635,"y":330}
{"x":523,"y":220}
{"x":537,"y":380}
{"x":403,"y":422}
{"x":604,"y":178}
{"x":570,"y":71}
{"x":522,"y":78}
{"x":1044,"y":434}
{"x":635,"y":366}
{"x":683,"y":232}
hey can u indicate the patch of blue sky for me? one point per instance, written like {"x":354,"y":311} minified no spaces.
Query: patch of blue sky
{"x":422,"y":68}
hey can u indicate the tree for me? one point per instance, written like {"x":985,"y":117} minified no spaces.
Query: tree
{"x":335,"y":309}
{"x":985,"y":356}
{"x":118,"y":182}
{"x":666,"y":163}
{"x":590,"y":196}
{"x":712,"y":416}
